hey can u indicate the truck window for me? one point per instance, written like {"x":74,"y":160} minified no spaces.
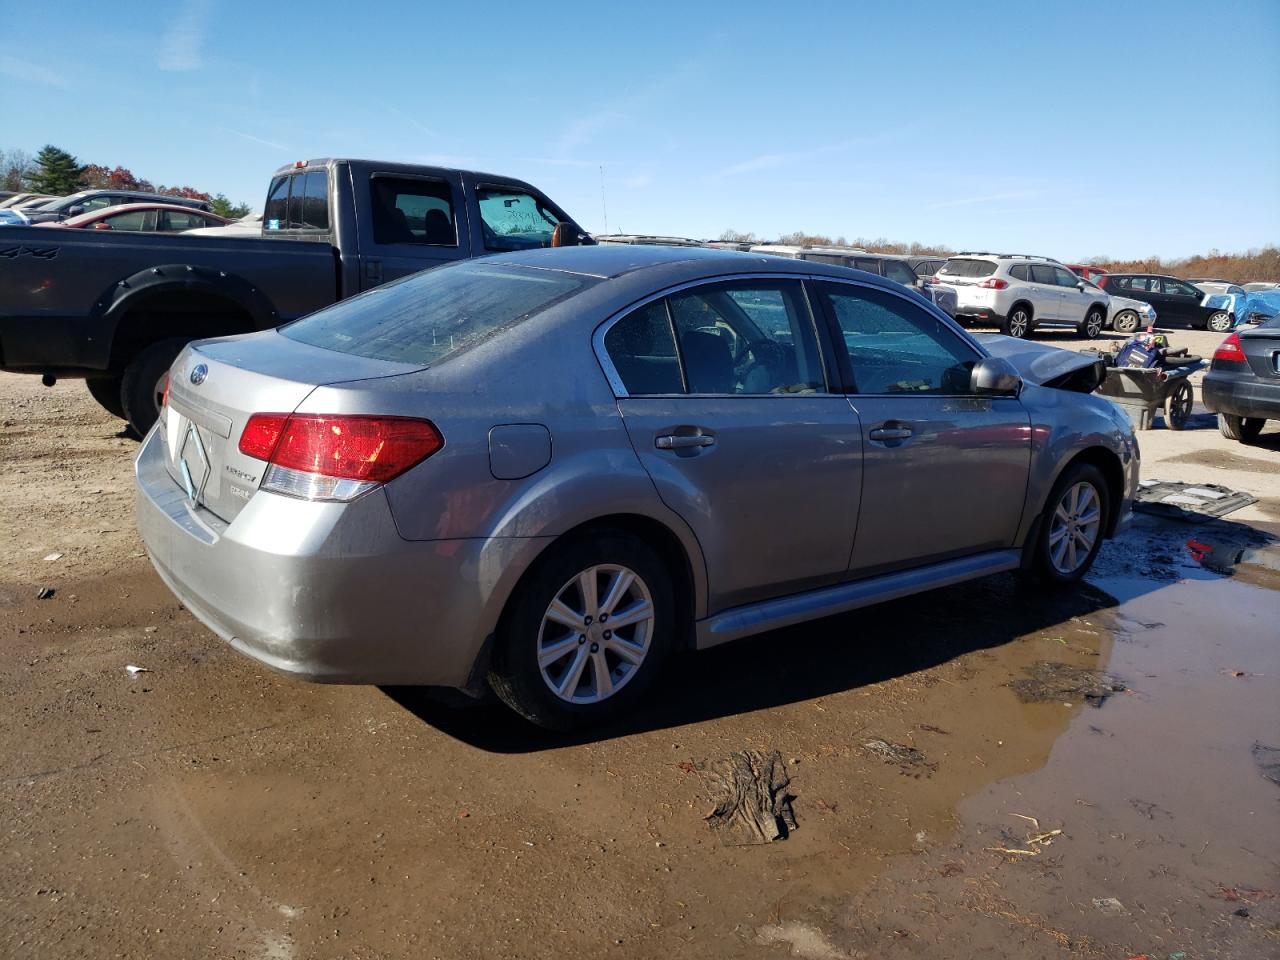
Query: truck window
{"x":315,"y":206}
{"x":273,"y":214}
{"x":413,"y":210}
{"x":514,"y":220}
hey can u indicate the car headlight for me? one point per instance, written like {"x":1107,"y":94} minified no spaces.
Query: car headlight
{"x":1147,"y":310}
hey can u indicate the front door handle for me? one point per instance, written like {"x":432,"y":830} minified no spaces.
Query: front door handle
{"x":890,"y":433}
{"x":684,"y":441}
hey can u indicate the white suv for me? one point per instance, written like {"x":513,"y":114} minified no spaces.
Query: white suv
{"x":1019,"y":293}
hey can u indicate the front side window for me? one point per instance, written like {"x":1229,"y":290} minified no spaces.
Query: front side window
{"x":97,"y":203}
{"x":133,"y":220}
{"x":895,"y":347}
{"x":428,"y":317}
{"x":642,"y":349}
{"x":1065,"y":277}
{"x":1179,"y":289}
{"x":513,"y":219}
{"x":899,"y":272}
{"x":747,"y":338}
{"x":413,"y":210}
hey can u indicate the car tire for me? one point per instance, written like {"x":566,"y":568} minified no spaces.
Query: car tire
{"x":1091,"y":327}
{"x":1244,"y":429}
{"x":1219,"y":322}
{"x":1057,"y":563}
{"x":1126,"y":321}
{"x":144,"y":381}
{"x":1177,"y":406}
{"x":549,"y":639}
{"x":1018,"y":322}
{"x":106,"y":391}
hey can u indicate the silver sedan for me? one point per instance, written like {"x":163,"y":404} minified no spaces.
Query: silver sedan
{"x":542,"y":472}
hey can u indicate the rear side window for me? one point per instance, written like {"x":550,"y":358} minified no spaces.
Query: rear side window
{"x":430,"y":316}
{"x":965,"y":267}
{"x":413,"y":210}
{"x":643,"y":350}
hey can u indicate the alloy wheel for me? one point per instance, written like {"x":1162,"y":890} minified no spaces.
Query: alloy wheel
{"x":1093,"y":326}
{"x":1220,"y":322}
{"x":1077,"y":519}
{"x":595,"y":634}
{"x":1127,"y":322}
{"x":1018,"y":324}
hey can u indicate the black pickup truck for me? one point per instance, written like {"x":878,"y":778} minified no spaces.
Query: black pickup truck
{"x":115,"y":308}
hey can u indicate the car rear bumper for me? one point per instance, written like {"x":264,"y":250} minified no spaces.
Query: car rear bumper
{"x":328,"y":591}
{"x":1241,"y":395}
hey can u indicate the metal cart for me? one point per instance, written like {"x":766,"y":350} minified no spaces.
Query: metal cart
{"x":1141,"y":391}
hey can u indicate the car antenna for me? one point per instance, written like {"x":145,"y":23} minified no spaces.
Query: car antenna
{"x":603,"y":208}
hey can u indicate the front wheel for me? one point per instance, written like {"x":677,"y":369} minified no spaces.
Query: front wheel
{"x":586,"y":633}
{"x":1244,"y":429}
{"x":1071,"y":530}
{"x":1092,"y":325}
{"x":1018,"y":323}
{"x":1219,"y":322}
{"x":143,"y":384}
{"x":1126,"y":321}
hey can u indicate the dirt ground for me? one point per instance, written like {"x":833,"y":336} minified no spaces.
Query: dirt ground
{"x":209,"y":808}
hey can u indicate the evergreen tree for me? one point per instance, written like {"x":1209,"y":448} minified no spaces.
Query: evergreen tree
{"x":225,"y":208}
{"x":57,"y":172}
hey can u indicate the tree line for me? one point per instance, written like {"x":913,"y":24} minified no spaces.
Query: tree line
{"x":1255,"y":264}
{"x":57,"y":172}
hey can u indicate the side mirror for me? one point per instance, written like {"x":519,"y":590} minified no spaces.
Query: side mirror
{"x":102,"y":226}
{"x":995,"y":377}
{"x":565,"y":235}
{"x":1080,"y":284}
{"x":75,"y":210}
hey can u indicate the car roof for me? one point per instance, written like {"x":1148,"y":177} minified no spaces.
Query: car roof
{"x":146,"y":205}
{"x":615,"y":260}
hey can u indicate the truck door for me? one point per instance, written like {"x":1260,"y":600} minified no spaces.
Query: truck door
{"x":409,"y":222}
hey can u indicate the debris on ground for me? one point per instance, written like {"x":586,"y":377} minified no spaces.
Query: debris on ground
{"x":44,"y":593}
{"x":911,"y":760}
{"x":53,"y":556}
{"x":1268,"y":761}
{"x":1109,"y":905}
{"x":752,"y":804}
{"x":1048,"y":681}
{"x":1033,"y":843}
{"x":1190,"y":502}
{"x":134,"y":671}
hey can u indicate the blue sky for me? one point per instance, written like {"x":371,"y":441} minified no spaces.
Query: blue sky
{"x":1075,"y":129}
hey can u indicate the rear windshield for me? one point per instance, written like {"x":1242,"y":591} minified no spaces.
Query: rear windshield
{"x":426,"y":318}
{"x":961,"y":267}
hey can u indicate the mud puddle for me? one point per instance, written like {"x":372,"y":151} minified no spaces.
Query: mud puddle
{"x":1152,"y":829}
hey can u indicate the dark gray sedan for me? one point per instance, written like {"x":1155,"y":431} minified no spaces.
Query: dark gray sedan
{"x":542,"y":472}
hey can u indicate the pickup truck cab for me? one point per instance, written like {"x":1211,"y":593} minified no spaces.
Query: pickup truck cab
{"x":116,"y":308}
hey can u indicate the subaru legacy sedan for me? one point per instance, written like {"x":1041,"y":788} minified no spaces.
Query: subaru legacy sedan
{"x":542,"y":472}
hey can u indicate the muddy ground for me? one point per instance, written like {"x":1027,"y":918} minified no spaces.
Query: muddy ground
{"x":209,"y":808}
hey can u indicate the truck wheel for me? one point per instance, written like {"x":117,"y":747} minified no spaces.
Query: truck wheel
{"x":106,"y":390}
{"x":1126,"y":321}
{"x":1244,"y":429}
{"x":143,"y":384}
{"x":584,"y":637}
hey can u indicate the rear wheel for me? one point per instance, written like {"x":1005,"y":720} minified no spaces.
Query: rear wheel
{"x":585,"y":636}
{"x":1177,"y":406}
{"x":1126,"y":321}
{"x":106,"y":390}
{"x":1219,"y":322}
{"x":143,"y":384}
{"x":1244,"y":429}
{"x":1071,"y":530}
{"x":1092,"y":325}
{"x":1018,"y":323}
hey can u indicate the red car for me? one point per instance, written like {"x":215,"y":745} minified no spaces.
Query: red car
{"x":145,"y":217}
{"x":1089,"y":273}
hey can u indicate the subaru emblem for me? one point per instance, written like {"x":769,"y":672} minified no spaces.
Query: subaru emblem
{"x":198,"y":373}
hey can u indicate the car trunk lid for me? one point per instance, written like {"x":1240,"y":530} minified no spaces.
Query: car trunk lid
{"x":216,"y":385}
{"x":1262,"y":349}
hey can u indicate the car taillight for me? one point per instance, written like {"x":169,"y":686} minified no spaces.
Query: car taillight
{"x":335,"y":456}
{"x":1230,"y":350}
{"x":994,"y":283}
{"x":164,"y":397}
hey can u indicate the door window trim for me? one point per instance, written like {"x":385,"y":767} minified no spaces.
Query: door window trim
{"x":847,"y":383}
{"x":816,"y":326}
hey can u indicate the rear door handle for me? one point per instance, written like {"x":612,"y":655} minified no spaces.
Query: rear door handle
{"x":684,"y":441}
{"x":890,"y":433}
